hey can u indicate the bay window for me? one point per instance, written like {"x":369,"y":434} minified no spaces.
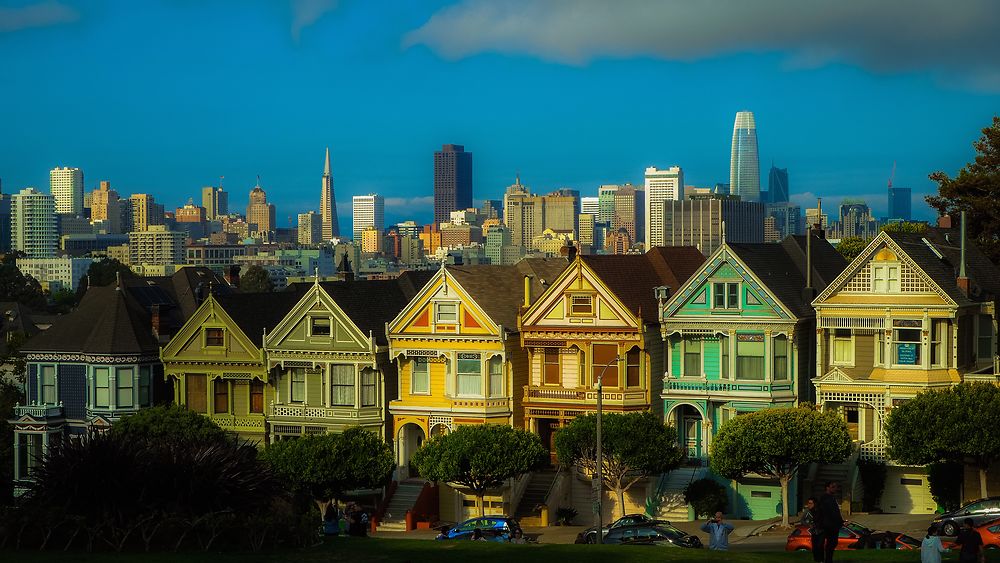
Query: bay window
{"x":125,"y":385}
{"x":750,"y":357}
{"x":220,"y":388}
{"x":420,"y":379}
{"x":842,"y":347}
{"x":692,"y":357}
{"x":342,"y":385}
{"x":47,"y":392}
{"x":906,"y":346}
{"x":605,"y":361}
{"x":297,"y":385}
{"x":550,"y":368}
{"x":633,"y":374}
{"x":470,"y":377}
{"x":780,"y":366}
{"x":496,"y":376}
{"x":985,"y":348}
{"x":368,"y":378}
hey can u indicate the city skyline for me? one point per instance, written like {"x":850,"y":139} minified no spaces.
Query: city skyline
{"x":243,"y":126}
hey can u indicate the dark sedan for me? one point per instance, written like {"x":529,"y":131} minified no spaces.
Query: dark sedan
{"x":651,"y":534}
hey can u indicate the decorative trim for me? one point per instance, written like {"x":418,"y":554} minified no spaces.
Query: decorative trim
{"x":89,"y":358}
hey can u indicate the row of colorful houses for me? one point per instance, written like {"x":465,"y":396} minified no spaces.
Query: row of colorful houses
{"x":697,"y":341}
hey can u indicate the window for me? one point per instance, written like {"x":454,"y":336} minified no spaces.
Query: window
{"x":906,"y":346}
{"x":938,"y":330}
{"x":220,"y":391}
{"x":780,"y":343}
{"x":724,"y":357}
{"x":879,"y":348}
{"x":692,"y":357}
{"x":420,"y":376}
{"x":102,"y":387}
{"x":125,"y":387}
{"x":319,"y":326}
{"x":496,"y":376}
{"x":368,"y":395}
{"x":144,"y":375}
{"x":606,"y":361}
{"x":633,"y":375}
{"x":551,"y":368}
{"x":750,"y":357}
{"x":726,"y":295}
{"x":256,"y":396}
{"x":985,"y":336}
{"x":446,"y":313}
{"x":215,"y":337}
{"x":581,"y":305}
{"x":885,"y":278}
{"x":196,"y":387}
{"x":841,"y":346}
{"x":342,"y":385}
{"x":297,"y":392}
{"x":48,"y":385}
{"x":470,"y":377}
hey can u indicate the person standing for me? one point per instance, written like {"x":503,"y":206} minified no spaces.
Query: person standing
{"x":828,"y":520}
{"x":930,"y":547}
{"x":816,"y":538}
{"x":718,"y":533}
{"x":971,"y":542}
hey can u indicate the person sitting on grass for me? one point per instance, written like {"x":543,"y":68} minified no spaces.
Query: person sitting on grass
{"x":477,"y":535}
{"x":518,"y":537}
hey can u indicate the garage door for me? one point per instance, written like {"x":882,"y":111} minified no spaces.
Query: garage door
{"x":907,"y":492}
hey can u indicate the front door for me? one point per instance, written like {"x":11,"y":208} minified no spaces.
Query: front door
{"x":692,"y":436}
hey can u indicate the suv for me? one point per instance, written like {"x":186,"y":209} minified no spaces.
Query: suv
{"x":981,"y":512}
{"x":494,"y":528}
{"x":651,"y":534}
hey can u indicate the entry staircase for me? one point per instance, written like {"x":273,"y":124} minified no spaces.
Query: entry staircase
{"x":535,"y":493}
{"x":671,"y":488}
{"x":401,"y":501}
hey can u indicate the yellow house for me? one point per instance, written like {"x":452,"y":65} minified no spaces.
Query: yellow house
{"x":914,"y":311}
{"x":460,"y":357}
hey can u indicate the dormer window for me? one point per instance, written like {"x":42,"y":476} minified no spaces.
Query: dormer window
{"x":320,"y":326}
{"x":446,"y":313}
{"x":215,"y":337}
{"x":581,"y":305}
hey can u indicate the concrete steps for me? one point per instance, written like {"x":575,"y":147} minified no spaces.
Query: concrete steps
{"x":401,"y":501}
{"x":534,"y":494}
{"x":672,"y":505}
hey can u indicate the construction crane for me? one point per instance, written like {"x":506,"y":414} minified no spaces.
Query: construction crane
{"x":893,"y":175}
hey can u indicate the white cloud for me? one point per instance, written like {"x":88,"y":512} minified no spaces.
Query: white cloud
{"x":956,"y":40}
{"x":307,"y":12}
{"x":43,"y":14}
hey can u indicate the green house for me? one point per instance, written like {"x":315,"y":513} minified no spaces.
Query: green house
{"x":740,"y":334}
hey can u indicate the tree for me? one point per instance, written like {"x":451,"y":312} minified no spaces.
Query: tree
{"x":170,"y":424}
{"x":850,"y":247}
{"x":323,"y":467}
{"x":916,"y":227}
{"x":949,"y":425}
{"x":480,"y":457}
{"x":634,"y":446}
{"x":106,"y":271}
{"x":776,"y":443}
{"x":976,"y":190}
{"x":15,"y":286}
{"x":256,"y":280}
{"x":706,"y":496}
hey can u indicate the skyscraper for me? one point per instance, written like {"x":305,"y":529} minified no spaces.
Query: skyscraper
{"x":215,"y":201}
{"x":452,"y":181}
{"x":629,"y":211}
{"x":777,"y":185}
{"x":66,"y":186}
{"x":590,"y":205}
{"x":105,"y":206}
{"x":33,"y":224}
{"x":368,"y":211}
{"x":699,"y":222}
{"x":606,"y":203}
{"x":661,"y":185}
{"x":259,"y":211}
{"x":328,"y":203}
{"x":744,"y":168}
{"x":310,"y":228}
{"x":145,"y":212}
{"x":900,"y":204}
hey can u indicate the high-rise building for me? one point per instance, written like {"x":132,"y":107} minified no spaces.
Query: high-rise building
{"x":408,"y":229}
{"x":699,"y":222}
{"x":190,"y":213}
{"x":369,"y":211}
{"x":310,"y":228}
{"x":900,"y":204}
{"x":744,"y":167}
{"x":215,"y":201}
{"x":787,"y":219}
{"x":491,"y":209}
{"x":66,"y":186}
{"x":452,"y":181}
{"x":156,"y":246}
{"x":328,"y":203}
{"x":629,"y":212}
{"x":145,"y":212}
{"x":33,"y":224}
{"x":606,"y":203}
{"x":586,"y":228}
{"x":520,"y":214}
{"x":591,"y":205}
{"x":500,"y":248}
{"x":855,"y":221}
{"x":660,"y":185}
{"x":259,"y":211}
{"x":560,"y":210}
{"x":371,"y":240}
{"x":105,"y":208}
{"x":777,"y":185}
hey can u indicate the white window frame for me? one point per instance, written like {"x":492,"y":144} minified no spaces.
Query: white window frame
{"x":291,"y":386}
{"x":427,"y":374}
{"x":572,"y":297}
{"x":125,"y":383}
{"x":774,"y":357}
{"x":938,"y":338}
{"x":442,"y":318}
{"x":96,"y":371}
{"x":498,"y":362}
{"x":312,"y":323}
{"x":849,"y":362}
{"x":921,"y":348}
{"x":701,"y":356}
{"x":459,"y":375}
{"x":881,"y":277}
{"x":726,"y":305}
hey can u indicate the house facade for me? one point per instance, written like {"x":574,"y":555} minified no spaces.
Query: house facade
{"x":914,"y":311}
{"x":739,"y":336}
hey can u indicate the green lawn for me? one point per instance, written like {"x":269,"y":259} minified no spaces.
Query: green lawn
{"x":393,"y":550}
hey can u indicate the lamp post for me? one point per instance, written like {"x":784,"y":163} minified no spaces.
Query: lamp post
{"x":600,"y":454}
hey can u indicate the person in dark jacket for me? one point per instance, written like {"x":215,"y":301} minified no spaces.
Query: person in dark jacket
{"x":809,"y":519}
{"x":828,"y":520}
{"x":971,"y":542}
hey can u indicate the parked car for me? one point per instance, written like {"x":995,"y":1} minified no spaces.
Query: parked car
{"x":990,"y":532}
{"x":854,"y":536}
{"x":494,"y":528}
{"x":651,"y":534}
{"x":590,"y":534}
{"x":981,"y":512}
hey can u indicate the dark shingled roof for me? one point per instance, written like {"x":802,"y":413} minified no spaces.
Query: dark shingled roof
{"x":632,"y":277}
{"x":781,"y":267}
{"x":370,"y":304}
{"x":982,"y":273}
{"x":256,"y":312}
{"x":499,"y":290}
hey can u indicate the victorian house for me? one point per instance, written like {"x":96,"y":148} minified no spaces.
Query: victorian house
{"x":912,"y":312}
{"x":740,"y":335}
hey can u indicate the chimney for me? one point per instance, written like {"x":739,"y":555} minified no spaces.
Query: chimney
{"x":571,"y":252}
{"x":662,"y":293}
{"x":527,"y":291}
{"x":233,"y":275}
{"x":945,"y":222}
{"x":156,"y":321}
{"x":963,"y":280}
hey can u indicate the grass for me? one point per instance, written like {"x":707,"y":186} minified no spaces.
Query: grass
{"x":401,"y":550}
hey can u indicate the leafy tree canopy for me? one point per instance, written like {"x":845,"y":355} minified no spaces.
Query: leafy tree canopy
{"x":777,"y":442}
{"x":170,"y":424}
{"x":106,"y":271}
{"x":956,"y":425}
{"x":976,"y":190}
{"x":850,"y":247}
{"x":634,"y":446}
{"x":480,"y":457}
{"x":15,"y":286}
{"x":256,"y":280}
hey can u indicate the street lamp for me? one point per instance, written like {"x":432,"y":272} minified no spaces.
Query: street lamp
{"x":600,"y":457}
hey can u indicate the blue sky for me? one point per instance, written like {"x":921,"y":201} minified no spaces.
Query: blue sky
{"x":164,"y":97}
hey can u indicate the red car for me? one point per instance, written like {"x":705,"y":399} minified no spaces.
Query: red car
{"x":990,"y":532}
{"x":853,"y":536}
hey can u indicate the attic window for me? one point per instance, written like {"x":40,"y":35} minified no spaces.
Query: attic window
{"x":320,"y":326}
{"x":581,"y":304}
{"x":215,"y":337}
{"x":446,"y":313}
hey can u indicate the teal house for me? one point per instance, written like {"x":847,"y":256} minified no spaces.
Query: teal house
{"x":740,"y":335}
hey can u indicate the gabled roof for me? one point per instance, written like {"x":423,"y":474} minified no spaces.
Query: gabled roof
{"x":782,"y":268}
{"x":256,"y":312}
{"x":499,"y":290}
{"x":944,"y":271}
{"x":632,"y":277}
{"x":370,"y":304}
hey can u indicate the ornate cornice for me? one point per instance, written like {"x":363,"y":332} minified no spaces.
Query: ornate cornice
{"x":90,"y":358}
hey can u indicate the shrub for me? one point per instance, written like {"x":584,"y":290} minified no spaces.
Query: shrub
{"x":945,"y":480}
{"x":706,"y":496}
{"x":565,"y":515}
{"x":872,"y":475}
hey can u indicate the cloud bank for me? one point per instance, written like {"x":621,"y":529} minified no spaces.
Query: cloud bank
{"x":43,"y":14}
{"x":955,"y":39}
{"x":308,"y":12}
